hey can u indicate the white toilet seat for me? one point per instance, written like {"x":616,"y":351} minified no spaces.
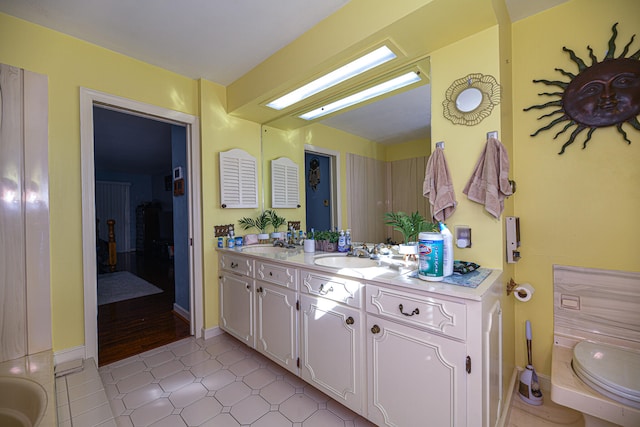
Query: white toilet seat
{"x":612,"y":371}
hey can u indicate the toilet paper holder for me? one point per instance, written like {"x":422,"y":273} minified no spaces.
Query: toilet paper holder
{"x":522,"y":293}
{"x":511,"y":286}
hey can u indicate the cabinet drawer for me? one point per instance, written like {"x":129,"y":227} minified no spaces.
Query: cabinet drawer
{"x":277,"y":274}
{"x":237,"y":264}
{"x":446,"y":317}
{"x":338,"y":289}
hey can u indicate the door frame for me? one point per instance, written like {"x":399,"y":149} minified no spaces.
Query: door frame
{"x":88,"y":98}
{"x":336,"y":185}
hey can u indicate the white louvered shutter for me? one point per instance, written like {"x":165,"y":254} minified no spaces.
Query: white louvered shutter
{"x":238,"y":179}
{"x":285,"y":191}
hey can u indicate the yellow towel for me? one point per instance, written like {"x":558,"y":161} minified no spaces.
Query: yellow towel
{"x":489,"y":183}
{"x":438,"y":187}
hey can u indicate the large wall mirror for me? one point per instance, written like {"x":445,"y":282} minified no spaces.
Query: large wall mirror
{"x":385,"y":174}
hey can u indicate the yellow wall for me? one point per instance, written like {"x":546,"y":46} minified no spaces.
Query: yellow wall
{"x":219,"y":132}
{"x":408,"y":150}
{"x":580,"y":208}
{"x":463,"y":144}
{"x":577,"y":209}
{"x":69,"y":64}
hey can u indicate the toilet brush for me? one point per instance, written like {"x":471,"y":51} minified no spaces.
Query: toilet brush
{"x":529,"y":387}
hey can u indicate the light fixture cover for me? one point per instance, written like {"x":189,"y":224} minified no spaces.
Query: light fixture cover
{"x":364,"y":63}
{"x":372,"y":92}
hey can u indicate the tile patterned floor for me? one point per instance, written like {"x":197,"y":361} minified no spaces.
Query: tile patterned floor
{"x":218,"y":382}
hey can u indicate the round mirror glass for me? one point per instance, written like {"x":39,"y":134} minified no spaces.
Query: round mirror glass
{"x":469,"y":99}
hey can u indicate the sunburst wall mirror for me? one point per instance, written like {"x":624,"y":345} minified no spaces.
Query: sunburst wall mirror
{"x":605,"y":93}
{"x":470,"y":99}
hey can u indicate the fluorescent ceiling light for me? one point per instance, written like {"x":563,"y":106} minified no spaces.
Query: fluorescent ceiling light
{"x":372,"y":92}
{"x":352,"y":69}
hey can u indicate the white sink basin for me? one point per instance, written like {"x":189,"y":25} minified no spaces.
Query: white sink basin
{"x":263,"y":249}
{"x":342,"y":261}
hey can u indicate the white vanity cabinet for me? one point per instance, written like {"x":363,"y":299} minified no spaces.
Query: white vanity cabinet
{"x":277,"y":313}
{"x":398,"y":352}
{"x":331,"y":336}
{"x":236,"y":297}
{"x":415,"y":377}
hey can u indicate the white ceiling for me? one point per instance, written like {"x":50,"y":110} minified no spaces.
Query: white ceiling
{"x":221,"y":40}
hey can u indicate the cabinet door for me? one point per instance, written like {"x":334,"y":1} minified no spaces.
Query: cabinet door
{"x":331,"y":350}
{"x":415,"y":378}
{"x":236,"y":307}
{"x":277,"y":324}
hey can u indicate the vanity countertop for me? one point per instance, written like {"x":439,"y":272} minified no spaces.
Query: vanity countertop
{"x":397,"y":275}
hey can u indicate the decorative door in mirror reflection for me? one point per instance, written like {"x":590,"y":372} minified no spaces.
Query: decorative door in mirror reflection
{"x":318,"y":191}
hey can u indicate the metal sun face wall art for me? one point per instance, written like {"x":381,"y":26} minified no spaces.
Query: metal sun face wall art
{"x":605,"y":93}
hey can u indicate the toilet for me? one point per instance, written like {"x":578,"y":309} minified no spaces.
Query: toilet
{"x":610,"y":370}
{"x":595,"y":365}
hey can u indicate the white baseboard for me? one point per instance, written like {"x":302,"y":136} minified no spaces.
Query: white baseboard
{"x":68,"y":355}
{"x":506,"y":409}
{"x":211,"y":332}
{"x":185,"y":314}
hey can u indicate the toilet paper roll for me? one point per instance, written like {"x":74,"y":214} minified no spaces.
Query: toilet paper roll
{"x":524,"y":292}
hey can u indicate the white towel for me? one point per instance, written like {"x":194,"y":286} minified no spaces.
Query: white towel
{"x":438,"y":187}
{"x":489,"y":183}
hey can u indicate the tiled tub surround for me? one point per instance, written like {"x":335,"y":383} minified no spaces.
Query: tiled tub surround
{"x":81,"y":398}
{"x":395,"y":349}
{"x":39,"y":368}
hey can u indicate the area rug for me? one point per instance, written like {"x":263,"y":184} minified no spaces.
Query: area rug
{"x":122,"y":285}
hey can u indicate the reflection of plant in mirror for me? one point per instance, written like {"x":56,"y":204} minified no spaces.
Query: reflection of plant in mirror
{"x":409,"y":225}
{"x":260,"y":223}
{"x":276,"y":221}
{"x":328,"y":235}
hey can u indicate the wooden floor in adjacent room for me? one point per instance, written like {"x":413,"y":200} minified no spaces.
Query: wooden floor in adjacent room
{"x":130,"y":327}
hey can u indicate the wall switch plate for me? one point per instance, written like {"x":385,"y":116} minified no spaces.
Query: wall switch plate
{"x":463,"y":236}
{"x":512,"y":224}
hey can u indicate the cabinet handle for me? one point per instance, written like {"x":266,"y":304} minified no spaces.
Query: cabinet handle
{"x":375,"y":329}
{"x":271,"y":273}
{"x":260,"y":290}
{"x":248,"y":287}
{"x":416,"y":311}
{"x":323,"y":292}
{"x":350,"y":320}
{"x":234,"y":265}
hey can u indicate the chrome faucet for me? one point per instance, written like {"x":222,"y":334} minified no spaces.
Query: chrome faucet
{"x":359,"y":252}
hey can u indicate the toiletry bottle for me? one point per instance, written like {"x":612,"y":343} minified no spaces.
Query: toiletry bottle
{"x":447,"y":244}
{"x":342,"y":247}
{"x":348,"y":239}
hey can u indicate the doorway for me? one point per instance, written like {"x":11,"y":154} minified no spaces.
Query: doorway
{"x":322,"y":188}
{"x":149,"y":278}
{"x":189,"y":125}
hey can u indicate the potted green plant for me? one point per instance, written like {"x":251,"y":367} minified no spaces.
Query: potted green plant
{"x":327,"y":240}
{"x":410,"y":226}
{"x":260,"y":223}
{"x":276,"y":222}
